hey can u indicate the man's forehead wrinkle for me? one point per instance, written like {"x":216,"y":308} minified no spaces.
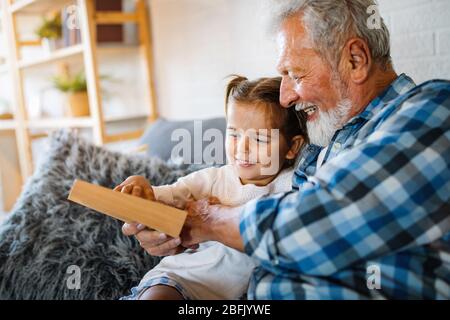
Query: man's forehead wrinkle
{"x":293,"y":44}
{"x":295,"y":60}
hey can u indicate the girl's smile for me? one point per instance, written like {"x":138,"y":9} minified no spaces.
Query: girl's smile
{"x":244,"y":163}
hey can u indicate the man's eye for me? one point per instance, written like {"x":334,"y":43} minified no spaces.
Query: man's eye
{"x":296,"y":78}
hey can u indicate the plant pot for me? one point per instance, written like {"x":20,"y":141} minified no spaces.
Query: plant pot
{"x":50,"y":44}
{"x":78,"y":103}
{"x":6,"y":116}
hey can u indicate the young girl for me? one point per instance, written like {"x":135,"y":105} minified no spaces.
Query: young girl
{"x":262,"y":142}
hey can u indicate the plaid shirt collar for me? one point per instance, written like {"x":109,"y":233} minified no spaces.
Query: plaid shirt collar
{"x":400,"y":86}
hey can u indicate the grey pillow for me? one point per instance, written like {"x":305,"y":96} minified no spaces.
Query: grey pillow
{"x":158,"y":137}
{"x":46,"y":234}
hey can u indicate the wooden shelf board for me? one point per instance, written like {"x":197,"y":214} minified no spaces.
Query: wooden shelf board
{"x":81,"y":122}
{"x":55,"y":56}
{"x":113,"y":17}
{"x":37,"y":6}
{"x":52,"y":123}
{"x":7,"y":124}
{"x":118,"y":46}
{"x":125,"y":117}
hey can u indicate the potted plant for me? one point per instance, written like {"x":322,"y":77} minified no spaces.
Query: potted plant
{"x":50,"y":32}
{"x":75,"y":88}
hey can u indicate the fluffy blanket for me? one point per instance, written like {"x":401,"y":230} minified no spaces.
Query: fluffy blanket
{"x":53,"y":249}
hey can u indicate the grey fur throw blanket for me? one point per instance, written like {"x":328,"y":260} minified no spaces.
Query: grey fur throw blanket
{"x":53,"y":249}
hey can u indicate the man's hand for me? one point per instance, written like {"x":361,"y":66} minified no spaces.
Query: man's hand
{"x":199,"y":222}
{"x":209,"y":221}
{"x":137,"y":186}
{"x":154,"y":242}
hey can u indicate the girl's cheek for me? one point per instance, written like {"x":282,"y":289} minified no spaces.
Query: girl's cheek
{"x":230,"y":147}
{"x":265,"y":153}
{"x":253,"y":151}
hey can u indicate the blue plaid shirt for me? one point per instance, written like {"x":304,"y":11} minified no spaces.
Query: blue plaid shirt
{"x":374,"y":220}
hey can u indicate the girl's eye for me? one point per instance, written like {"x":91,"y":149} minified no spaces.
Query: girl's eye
{"x":262,"y":140}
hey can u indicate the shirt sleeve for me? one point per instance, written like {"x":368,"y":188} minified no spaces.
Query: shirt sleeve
{"x":195,"y":186}
{"x":388,"y":193}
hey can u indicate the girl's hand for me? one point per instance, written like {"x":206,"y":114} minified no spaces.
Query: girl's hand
{"x":137,"y":186}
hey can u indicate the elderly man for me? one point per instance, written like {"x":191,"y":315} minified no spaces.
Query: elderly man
{"x":369,"y":213}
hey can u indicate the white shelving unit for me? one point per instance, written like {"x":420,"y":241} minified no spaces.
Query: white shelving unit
{"x":25,"y":127}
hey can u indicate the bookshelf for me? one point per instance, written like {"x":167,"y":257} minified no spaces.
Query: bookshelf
{"x":86,"y":50}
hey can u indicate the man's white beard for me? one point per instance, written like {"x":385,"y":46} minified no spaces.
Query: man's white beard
{"x":322,"y":129}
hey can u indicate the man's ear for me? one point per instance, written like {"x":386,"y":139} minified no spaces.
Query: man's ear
{"x":357,"y":59}
{"x":296,"y":145}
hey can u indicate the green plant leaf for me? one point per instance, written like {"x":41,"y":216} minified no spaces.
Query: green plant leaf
{"x":50,"y":28}
{"x":77,"y":83}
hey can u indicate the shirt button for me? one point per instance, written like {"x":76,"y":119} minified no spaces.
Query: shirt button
{"x":276,"y":261}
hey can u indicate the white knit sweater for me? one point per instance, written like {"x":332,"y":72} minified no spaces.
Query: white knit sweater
{"x":222,"y":183}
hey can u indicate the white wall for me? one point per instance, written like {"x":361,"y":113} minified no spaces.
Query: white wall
{"x":420,"y":32}
{"x":199,"y":42}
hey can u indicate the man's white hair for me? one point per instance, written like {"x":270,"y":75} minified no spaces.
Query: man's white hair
{"x":330,"y":23}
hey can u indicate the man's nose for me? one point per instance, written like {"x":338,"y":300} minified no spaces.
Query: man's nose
{"x":288,"y":96}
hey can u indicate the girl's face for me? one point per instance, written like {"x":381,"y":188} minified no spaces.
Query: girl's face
{"x":257,"y":150}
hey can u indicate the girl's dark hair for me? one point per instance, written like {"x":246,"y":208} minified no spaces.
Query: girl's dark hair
{"x":266,"y":92}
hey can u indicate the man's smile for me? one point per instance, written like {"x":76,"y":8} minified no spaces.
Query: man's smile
{"x":309,"y":109}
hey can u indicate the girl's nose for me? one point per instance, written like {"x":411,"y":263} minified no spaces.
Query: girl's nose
{"x":243,"y":146}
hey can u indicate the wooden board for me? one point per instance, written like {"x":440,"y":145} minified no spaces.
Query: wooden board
{"x":129,"y":208}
